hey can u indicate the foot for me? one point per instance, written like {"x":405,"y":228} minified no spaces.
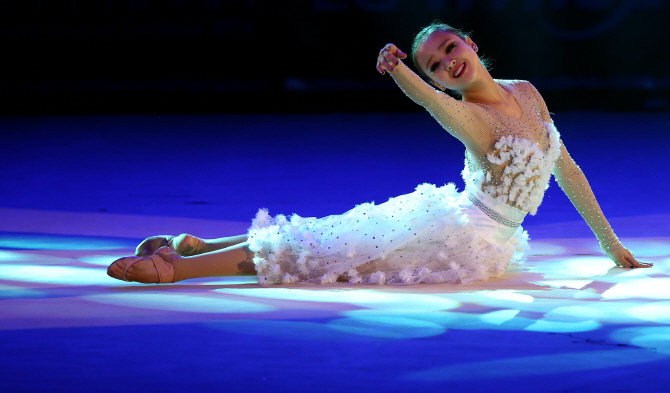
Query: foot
{"x":153,"y":269}
{"x":184,"y":245}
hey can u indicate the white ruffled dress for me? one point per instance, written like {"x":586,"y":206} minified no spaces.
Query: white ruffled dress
{"x":432,"y":235}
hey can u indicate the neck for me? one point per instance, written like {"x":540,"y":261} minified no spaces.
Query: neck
{"x":484,"y":90}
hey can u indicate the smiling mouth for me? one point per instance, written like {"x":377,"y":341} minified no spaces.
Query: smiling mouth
{"x":459,"y":70}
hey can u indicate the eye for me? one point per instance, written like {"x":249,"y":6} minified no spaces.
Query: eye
{"x":450,"y":47}
{"x":434,"y":66}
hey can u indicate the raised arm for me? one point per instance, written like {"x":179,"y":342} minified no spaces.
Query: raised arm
{"x":461,"y":119}
{"x":572,"y":181}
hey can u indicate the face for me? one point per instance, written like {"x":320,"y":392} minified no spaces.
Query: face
{"x":449,"y":60}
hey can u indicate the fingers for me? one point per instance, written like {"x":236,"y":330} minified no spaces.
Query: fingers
{"x":380,"y":69}
{"x":395,"y":51}
{"x":631,"y":262}
{"x":383,"y":65}
{"x":389,"y":58}
{"x":386,"y":62}
{"x":622,"y":257}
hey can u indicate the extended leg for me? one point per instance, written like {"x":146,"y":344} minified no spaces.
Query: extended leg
{"x":235,"y":260}
{"x":187,"y":245}
{"x":209,"y":245}
{"x":167,"y":266}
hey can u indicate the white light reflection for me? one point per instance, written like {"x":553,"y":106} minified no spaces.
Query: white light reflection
{"x":575,"y":284}
{"x":605,"y":312}
{"x":579,"y":267}
{"x":509,"y":295}
{"x":64,"y":275}
{"x":60,"y":242}
{"x":498,"y":320}
{"x":506,"y":298}
{"x":8,"y":256}
{"x":655,"y":312}
{"x":100,"y":260}
{"x":538,"y":248}
{"x":648,"y":287}
{"x":184,"y":303}
{"x":360,"y":297}
{"x":537,"y":365}
{"x":499,"y":317}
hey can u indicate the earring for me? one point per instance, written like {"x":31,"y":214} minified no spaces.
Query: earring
{"x":474,"y":47}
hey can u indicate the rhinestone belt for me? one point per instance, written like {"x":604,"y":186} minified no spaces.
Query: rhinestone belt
{"x":495,"y":216}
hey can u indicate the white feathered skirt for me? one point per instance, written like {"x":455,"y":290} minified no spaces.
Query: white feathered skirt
{"x":432,"y":235}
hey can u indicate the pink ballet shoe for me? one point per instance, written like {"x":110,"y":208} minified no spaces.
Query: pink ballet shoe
{"x":162,"y":261}
{"x":184,"y":245}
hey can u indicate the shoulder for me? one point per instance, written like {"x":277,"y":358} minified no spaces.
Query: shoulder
{"x":519,"y":84}
{"x":513,"y":82}
{"x":526,"y":88}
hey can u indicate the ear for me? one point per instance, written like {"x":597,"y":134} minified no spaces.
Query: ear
{"x":439,"y":86}
{"x":471,"y":43}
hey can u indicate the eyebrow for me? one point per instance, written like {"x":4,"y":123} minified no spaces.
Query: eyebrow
{"x":431,"y":56}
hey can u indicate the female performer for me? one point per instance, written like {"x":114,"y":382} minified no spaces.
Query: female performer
{"x":433,"y":234}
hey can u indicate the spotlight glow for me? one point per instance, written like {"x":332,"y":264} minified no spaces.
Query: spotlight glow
{"x":539,"y":248}
{"x":360,"y":297}
{"x":100,"y":260}
{"x":178,"y":302}
{"x":658,"y":312}
{"x":509,"y":295}
{"x":575,"y":284}
{"x":645,"y":248}
{"x":602,"y":311}
{"x":654,"y":288}
{"x":26,"y":241}
{"x":8,"y":256}
{"x":64,"y":275}
{"x":499,"y":317}
{"x":585,"y":267}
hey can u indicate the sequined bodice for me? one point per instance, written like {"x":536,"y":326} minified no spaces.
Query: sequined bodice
{"x":508,"y":158}
{"x":515,"y":168}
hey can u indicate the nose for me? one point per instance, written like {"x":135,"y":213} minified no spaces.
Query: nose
{"x":449,"y":64}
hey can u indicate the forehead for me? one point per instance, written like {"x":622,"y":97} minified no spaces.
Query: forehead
{"x":431,"y":44}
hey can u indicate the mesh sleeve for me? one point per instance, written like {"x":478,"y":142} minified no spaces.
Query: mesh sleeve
{"x":572,"y":181}
{"x":574,"y":184}
{"x":459,"y":118}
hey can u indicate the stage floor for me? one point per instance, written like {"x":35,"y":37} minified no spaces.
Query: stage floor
{"x":76,"y":199}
